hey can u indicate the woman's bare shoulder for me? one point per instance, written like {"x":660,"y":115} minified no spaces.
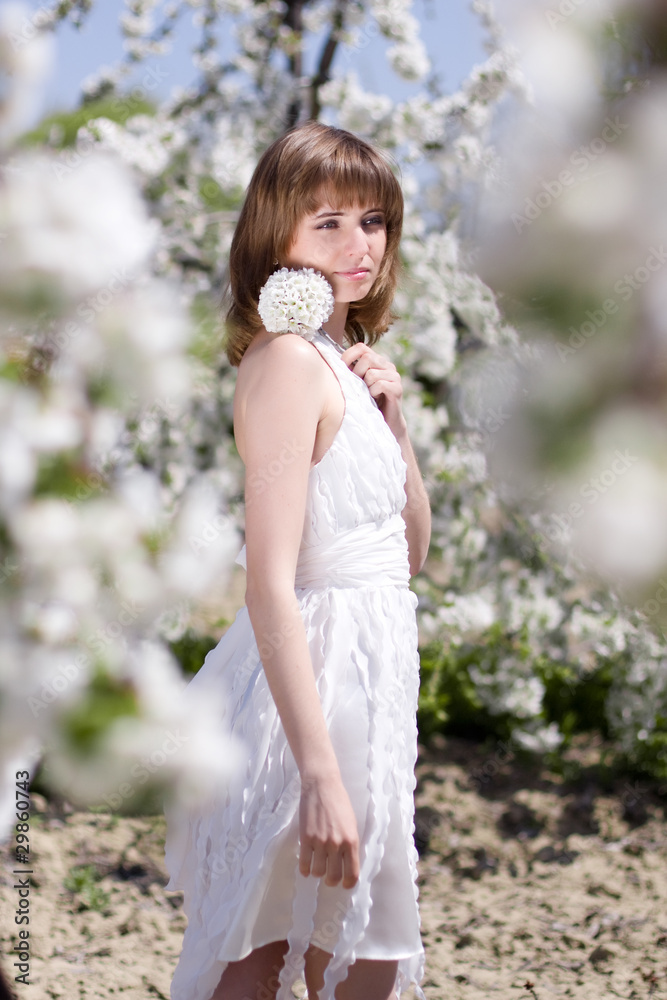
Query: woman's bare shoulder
{"x":282,"y":369}
{"x":270,"y":354}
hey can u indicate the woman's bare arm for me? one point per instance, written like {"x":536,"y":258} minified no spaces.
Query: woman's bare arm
{"x":417,"y":510}
{"x":283,"y":408}
{"x":384,"y":383}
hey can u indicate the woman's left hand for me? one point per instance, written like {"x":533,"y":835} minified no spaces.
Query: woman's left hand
{"x":383,"y":381}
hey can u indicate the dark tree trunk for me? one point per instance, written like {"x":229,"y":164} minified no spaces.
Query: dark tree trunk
{"x":294,"y":21}
{"x":326,"y":58}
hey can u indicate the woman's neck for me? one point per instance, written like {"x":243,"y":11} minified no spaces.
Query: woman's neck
{"x":335,"y":325}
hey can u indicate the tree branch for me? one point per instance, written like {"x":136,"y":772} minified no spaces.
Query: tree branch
{"x":294,"y":21}
{"x":326,"y":59}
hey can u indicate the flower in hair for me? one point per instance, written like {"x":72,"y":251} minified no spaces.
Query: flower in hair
{"x":295,"y":302}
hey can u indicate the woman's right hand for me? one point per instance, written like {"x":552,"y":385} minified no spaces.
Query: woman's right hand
{"x":328,"y":832}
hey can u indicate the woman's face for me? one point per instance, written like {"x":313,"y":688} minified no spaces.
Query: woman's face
{"x":347,"y":245}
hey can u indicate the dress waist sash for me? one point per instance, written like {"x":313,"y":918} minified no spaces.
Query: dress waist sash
{"x":374,"y":554}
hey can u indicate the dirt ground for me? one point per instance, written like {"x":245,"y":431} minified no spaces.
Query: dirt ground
{"x":532,"y":884}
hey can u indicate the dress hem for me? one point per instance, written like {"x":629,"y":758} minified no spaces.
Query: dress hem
{"x":368,"y":958}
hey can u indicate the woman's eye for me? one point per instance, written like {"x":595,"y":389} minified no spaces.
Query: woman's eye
{"x":330,"y":224}
{"x":375,"y":220}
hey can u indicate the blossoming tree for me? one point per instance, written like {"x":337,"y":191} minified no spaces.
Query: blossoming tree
{"x":513,"y":632}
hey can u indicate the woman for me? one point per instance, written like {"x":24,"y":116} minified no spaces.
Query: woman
{"x":305,"y":865}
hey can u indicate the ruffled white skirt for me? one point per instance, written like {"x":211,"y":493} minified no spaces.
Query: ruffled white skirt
{"x":236,"y":860}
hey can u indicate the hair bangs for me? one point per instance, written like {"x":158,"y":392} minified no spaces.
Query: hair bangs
{"x":306,"y":166}
{"x":350,"y":177}
{"x":361,"y":183}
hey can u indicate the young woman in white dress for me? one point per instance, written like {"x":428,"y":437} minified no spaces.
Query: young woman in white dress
{"x":320,"y":198}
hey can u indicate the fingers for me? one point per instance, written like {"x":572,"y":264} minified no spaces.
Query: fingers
{"x":313,"y":858}
{"x":337,"y":863}
{"x":351,"y":866}
{"x":379,"y":374}
{"x":328,"y":834}
{"x":305,"y":856}
{"x":318,"y":867}
{"x":360,"y":358}
{"x":334,"y":871}
{"x":379,"y":382}
{"x":343,"y":867}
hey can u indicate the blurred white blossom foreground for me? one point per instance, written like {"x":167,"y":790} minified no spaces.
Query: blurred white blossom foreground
{"x":94,"y":552}
{"x":578,"y":238}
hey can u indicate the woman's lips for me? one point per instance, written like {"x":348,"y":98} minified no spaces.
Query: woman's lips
{"x":357,"y":275}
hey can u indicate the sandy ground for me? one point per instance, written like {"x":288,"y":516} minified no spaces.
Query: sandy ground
{"x":530,"y":886}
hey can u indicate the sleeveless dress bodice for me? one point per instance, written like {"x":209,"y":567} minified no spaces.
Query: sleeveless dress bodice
{"x":236,"y":859}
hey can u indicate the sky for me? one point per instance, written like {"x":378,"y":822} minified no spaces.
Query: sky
{"x":450,"y":31}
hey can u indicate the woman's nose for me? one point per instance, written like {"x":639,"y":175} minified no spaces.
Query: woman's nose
{"x":358,"y":242}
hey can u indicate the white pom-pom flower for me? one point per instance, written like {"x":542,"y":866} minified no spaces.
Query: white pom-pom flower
{"x":296,"y":301}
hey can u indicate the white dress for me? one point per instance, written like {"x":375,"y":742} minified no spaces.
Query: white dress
{"x":236,"y":860}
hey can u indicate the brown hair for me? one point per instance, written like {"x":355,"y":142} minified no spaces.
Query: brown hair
{"x":286,"y":186}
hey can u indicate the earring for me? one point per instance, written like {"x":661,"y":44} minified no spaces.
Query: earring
{"x":275,"y":262}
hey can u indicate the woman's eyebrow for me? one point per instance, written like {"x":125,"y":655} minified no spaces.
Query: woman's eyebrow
{"x":322,"y":215}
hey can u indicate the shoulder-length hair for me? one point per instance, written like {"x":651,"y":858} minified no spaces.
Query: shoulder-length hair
{"x":288,"y":183}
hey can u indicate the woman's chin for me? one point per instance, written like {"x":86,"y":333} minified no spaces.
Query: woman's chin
{"x":352,"y":294}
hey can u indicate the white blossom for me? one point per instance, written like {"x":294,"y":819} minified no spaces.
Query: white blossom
{"x":410,"y":60}
{"x":295,"y":301}
{"x":72,"y":229}
{"x":468,"y":616}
